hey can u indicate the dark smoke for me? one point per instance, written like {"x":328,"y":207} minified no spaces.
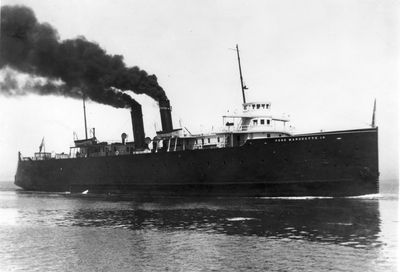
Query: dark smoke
{"x":84,"y":68}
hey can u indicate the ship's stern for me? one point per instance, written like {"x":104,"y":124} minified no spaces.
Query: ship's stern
{"x":22,"y":178}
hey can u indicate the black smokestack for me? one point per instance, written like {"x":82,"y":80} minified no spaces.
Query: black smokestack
{"x":137,"y":125}
{"x":165,"y":112}
{"x":81,"y":68}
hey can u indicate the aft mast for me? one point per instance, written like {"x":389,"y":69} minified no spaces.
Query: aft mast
{"x":373,"y":115}
{"x":241,"y":77}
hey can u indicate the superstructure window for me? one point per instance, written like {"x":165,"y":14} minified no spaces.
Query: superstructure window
{"x":258,"y":106}
{"x":268,"y":121}
{"x":208,"y":140}
{"x":262,"y":121}
{"x":255,"y":122}
{"x":218,"y":139}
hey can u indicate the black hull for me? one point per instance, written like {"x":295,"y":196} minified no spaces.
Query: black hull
{"x":342,"y":163}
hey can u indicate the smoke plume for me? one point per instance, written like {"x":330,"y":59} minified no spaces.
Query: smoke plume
{"x":73,"y":67}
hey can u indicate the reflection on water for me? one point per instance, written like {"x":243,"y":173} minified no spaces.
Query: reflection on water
{"x":348,"y":222}
{"x":68,"y":232}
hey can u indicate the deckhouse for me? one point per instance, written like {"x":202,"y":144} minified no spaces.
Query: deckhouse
{"x":254,"y":122}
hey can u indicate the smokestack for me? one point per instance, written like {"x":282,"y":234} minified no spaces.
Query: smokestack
{"x":137,"y":125}
{"x":165,"y":112}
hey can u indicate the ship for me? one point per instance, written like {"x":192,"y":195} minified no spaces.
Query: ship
{"x":255,"y":154}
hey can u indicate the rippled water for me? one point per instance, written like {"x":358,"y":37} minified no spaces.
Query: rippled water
{"x":64,"y":232}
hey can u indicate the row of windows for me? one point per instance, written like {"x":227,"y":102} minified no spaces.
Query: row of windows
{"x":300,"y":139}
{"x":257,"y":106}
{"x":238,"y":138}
{"x":262,"y":121}
{"x":208,"y":140}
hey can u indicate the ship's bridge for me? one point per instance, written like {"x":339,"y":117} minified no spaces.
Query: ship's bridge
{"x":257,"y":107}
{"x":258,"y":120}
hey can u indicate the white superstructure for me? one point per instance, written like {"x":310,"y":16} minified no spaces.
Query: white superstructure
{"x":254,"y":122}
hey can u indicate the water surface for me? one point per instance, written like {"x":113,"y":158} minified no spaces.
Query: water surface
{"x":75,"y":232}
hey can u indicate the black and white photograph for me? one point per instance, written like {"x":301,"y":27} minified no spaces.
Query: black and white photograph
{"x":188,"y":135}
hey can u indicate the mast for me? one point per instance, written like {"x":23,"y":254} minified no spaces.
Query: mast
{"x":373,"y":115}
{"x":241,"y":77}
{"x":84,"y":117}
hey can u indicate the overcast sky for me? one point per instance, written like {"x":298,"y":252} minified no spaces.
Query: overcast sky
{"x":323,"y":62}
